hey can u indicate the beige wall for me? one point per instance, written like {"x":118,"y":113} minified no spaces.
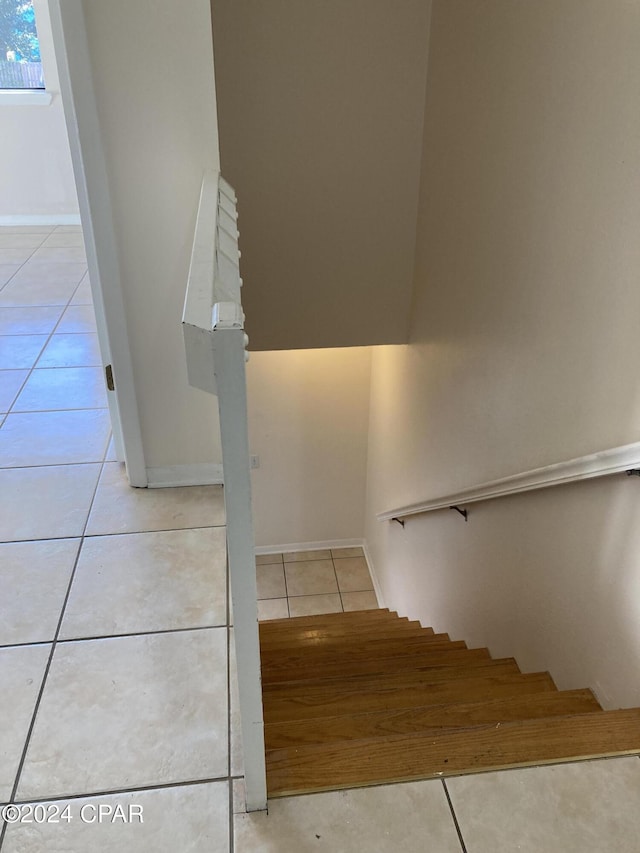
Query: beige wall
{"x":321,"y":111}
{"x":524,"y":346}
{"x":308,"y":420}
{"x":35,"y":162}
{"x":154,"y":86}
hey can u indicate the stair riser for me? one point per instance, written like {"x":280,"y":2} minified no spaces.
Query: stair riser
{"x":607,"y":733}
{"x":428,"y":720}
{"x":379,"y":666}
{"x":305,"y":707}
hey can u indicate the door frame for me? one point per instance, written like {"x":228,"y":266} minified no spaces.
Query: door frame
{"x":71,"y":49}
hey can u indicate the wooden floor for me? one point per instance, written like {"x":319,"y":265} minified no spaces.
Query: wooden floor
{"x":365,"y":698}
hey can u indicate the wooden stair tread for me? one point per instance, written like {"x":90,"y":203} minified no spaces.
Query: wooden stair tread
{"x":351,"y":617}
{"x":307,"y":703}
{"x":467,"y":668}
{"x":337,"y":668}
{"x":427,"y":719}
{"x":336,"y":634}
{"x":348,"y":649}
{"x":403,"y":758}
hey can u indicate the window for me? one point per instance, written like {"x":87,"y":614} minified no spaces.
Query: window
{"x":20,"y":63}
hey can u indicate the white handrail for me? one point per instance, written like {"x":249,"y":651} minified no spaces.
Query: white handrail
{"x":601,"y":464}
{"x":213,"y":328}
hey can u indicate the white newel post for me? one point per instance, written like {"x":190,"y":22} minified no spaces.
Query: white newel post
{"x":229,"y":352}
{"x":213,"y":327}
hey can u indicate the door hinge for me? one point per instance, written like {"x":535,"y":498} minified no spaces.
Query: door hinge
{"x":109,"y":374}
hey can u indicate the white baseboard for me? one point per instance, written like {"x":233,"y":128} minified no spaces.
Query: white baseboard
{"x":202,"y":474}
{"x":309,"y":546}
{"x":372,"y":571}
{"x":41,"y":219}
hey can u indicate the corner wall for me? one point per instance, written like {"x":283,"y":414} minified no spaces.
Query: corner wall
{"x":524,"y":348}
{"x":308,"y":422}
{"x":35,"y":162}
{"x":154,"y":87}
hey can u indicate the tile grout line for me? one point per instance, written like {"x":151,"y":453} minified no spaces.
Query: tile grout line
{"x":100,"y":535}
{"x":90,"y":639}
{"x":112,"y":792}
{"x":453,"y":815}
{"x":50,"y":659}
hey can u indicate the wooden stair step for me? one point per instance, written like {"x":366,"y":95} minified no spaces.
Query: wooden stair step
{"x":403,"y":758}
{"x":350,"y":649}
{"x":469,"y":667}
{"x":351,"y":617}
{"x":338,"y":668}
{"x":430,"y":719}
{"x":337,"y":700}
{"x":301,"y":636}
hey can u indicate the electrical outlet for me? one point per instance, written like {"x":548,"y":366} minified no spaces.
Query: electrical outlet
{"x":255,"y":461}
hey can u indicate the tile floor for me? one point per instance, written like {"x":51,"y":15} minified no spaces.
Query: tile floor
{"x":308,"y":582}
{"x":118,"y":699}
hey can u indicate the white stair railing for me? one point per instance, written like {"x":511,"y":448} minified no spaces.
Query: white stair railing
{"x":215,"y":342}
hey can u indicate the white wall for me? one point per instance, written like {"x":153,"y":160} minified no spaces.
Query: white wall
{"x":308,"y":422}
{"x":35,"y":162}
{"x":524,"y":345}
{"x":153,"y":77}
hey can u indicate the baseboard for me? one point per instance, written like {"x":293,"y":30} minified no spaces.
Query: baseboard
{"x":372,"y":571}
{"x":41,"y":219}
{"x":202,"y":474}
{"x":309,"y":546}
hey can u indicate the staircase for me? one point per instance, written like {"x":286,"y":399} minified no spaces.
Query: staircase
{"x":366,"y":698}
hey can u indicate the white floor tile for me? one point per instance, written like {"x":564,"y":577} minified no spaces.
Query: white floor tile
{"x":310,"y":577}
{"x":63,"y":388}
{"x":21,"y":672}
{"x":7,"y":271}
{"x":18,"y":293}
{"x":20,"y":351}
{"x":27,"y":229}
{"x":78,"y":318}
{"x":21,"y":241}
{"x":296,"y":556}
{"x":45,"y":503}
{"x":62,"y":239}
{"x":57,"y":254}
{"x":130,"y":712}
{"x":353,"y":574}
{"x":34,"y":274}
{"x":71,"y":351}
{"x":187,"y":819}
{"x":15,"y":256}
{"x":34,"y":577}
{"x":273,"y":608}
{"x":413,"y":817}
{"x":54,"y":438}
{"x":568,"y":808}
{"x":359,"y":600}
{"x":270,"y":581}
{"x":83,"y":296}
{"x":136,"y":582}
{"x":11,"y":382}
{"x":29,"y":321}
{"x":314,"y":605}
{"x":121,"y":509}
